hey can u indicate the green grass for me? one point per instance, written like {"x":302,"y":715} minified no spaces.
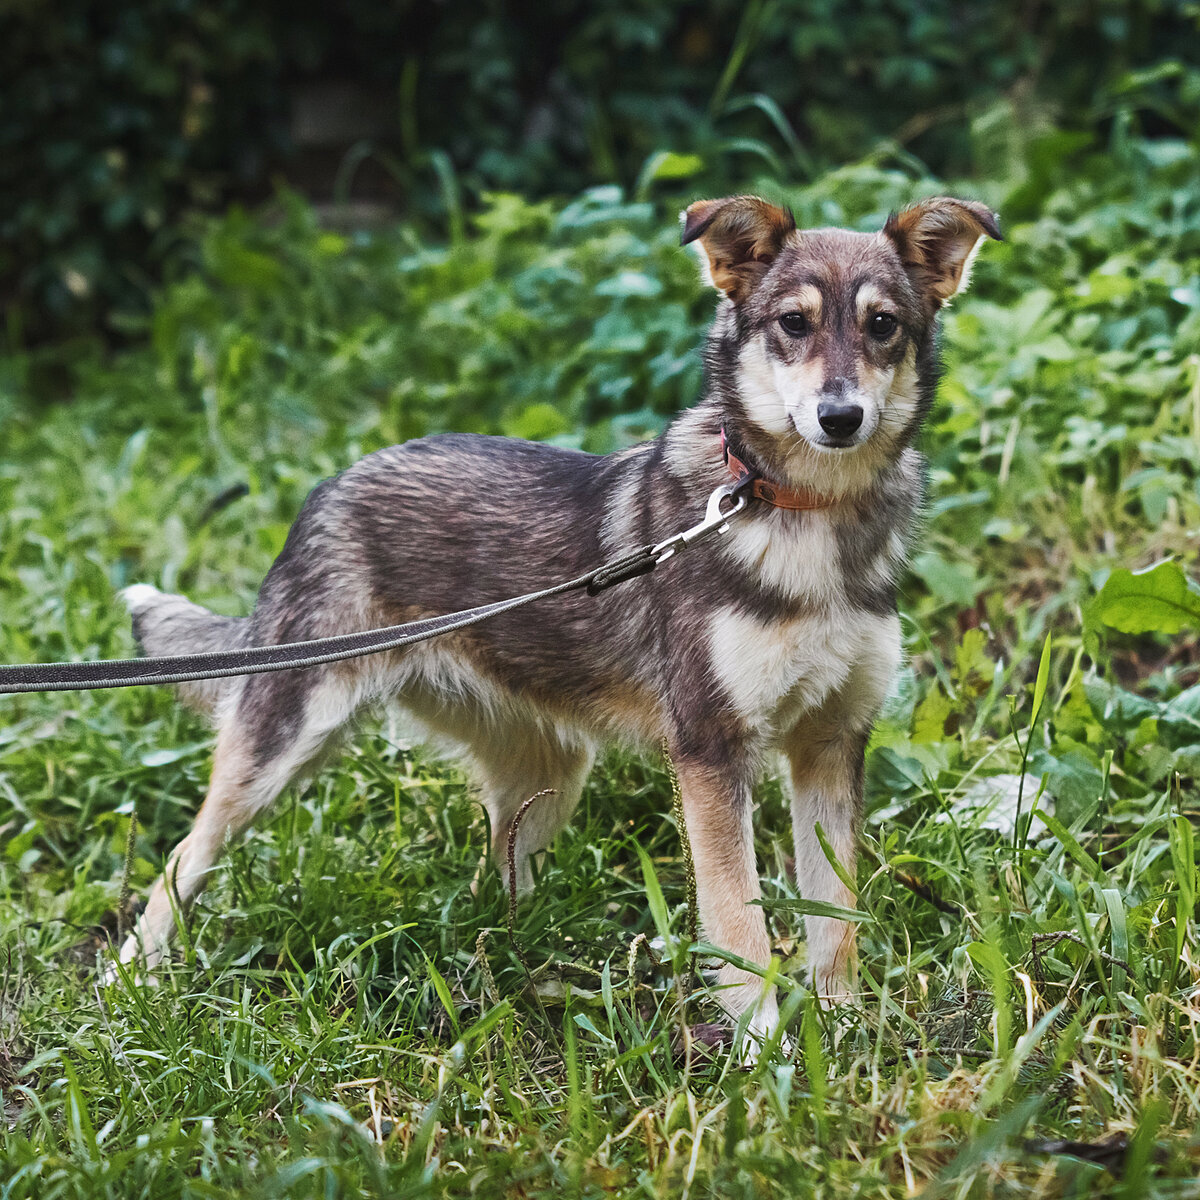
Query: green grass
{"x":345,"y":1017}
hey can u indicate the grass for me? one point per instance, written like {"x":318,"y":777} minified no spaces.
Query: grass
{"x":345,"y":1017}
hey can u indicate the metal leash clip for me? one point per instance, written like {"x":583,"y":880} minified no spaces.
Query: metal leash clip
{"x":715,"y":520}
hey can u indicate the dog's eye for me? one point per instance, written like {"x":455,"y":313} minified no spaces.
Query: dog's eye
{"x":882,"y":326}
{"x":794,"y":323}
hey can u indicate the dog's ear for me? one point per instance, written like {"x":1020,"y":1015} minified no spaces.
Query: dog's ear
{"x":738,"y":238}
{"x":937,"y":240}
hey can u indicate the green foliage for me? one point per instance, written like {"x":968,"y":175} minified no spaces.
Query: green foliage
{"x":336,"y":1025}
{"x":117,"y":121}
{"x":1160,"y":600}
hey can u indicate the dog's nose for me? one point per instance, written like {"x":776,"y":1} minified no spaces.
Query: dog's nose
{"x":839,"y":420}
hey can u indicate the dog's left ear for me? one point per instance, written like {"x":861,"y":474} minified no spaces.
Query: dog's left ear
{"x":740,"y":237}
{"x":937,"y":240}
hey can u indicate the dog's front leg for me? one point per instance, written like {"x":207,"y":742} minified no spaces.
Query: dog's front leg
{"x":718,"y":810}
{"x":826,"y":767}
{"x":825,"y":753}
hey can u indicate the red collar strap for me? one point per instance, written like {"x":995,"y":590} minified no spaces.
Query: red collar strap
{"x":774,"y":494}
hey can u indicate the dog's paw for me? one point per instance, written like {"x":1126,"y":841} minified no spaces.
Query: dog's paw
{"x":706,"y":1041}
{"x":133,"y":963}
{"x":833,"y":988}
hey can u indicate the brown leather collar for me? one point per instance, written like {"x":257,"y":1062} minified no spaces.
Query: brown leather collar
{"x":775,"y":494}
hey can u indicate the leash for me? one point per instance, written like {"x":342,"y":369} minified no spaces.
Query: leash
{"x":186,"y":668}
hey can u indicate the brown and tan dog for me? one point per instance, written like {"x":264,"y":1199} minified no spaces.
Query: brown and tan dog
{"x":777,"y":639}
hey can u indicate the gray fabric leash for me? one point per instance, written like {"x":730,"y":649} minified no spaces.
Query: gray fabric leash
{"x":254,"y":660}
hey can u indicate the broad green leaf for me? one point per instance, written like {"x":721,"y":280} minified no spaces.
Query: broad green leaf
{"x":666,"y":164}
{"x":951,"y":582}
{"x":1186,"y":704}
{"x":1161,"y":599}
{"x":971,"y":657}
{"x":929,"y":721}
{"x":989,"y":958}
{"x":1073,"y":775}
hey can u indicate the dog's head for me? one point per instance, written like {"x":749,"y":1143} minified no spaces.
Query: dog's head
{"x":833,"y":331}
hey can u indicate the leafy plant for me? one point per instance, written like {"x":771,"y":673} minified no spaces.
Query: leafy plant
{"x":1161,"y":599}
{"x":118,"y":122}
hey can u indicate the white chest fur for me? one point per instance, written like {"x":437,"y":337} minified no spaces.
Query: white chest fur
{"x":798,"y":558}
{"x":773,"y":671}
{"x":760,"y":665}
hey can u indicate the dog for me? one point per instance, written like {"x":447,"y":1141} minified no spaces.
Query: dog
{"x":774,"y":643}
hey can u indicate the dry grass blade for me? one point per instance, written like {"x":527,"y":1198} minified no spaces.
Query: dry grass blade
{"x":1039,"y":941}
{"x":513,"y":828}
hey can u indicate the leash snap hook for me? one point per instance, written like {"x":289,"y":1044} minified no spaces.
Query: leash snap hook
{"x":716,"y":520}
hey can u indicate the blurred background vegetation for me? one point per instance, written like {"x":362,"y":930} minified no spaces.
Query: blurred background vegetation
{"x":121,"y":120}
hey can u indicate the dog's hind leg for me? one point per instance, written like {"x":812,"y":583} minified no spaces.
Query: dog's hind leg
{"x":278,"y":726}
{"x":514,"y":764}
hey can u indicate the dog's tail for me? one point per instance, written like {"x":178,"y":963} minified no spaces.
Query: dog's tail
{"x":167,"y":624}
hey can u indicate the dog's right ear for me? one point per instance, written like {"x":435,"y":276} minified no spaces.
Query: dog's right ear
{"x":738,"y":238}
